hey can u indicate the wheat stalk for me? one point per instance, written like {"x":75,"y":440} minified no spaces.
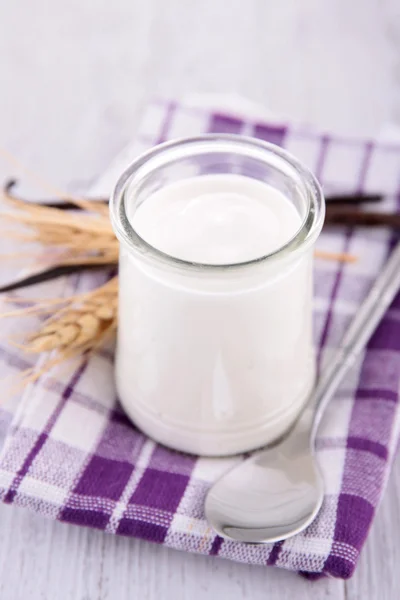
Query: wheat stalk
{"x":342,"y":257}
{"x":75,"y":237}
{"x":75,"y":325}
{"x":80,"y":324}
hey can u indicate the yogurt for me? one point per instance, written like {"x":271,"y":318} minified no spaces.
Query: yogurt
{"x":217,"y":219}
{"x":217,"y":359}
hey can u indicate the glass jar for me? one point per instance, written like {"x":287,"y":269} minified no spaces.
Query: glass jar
{"x":215,"y":359}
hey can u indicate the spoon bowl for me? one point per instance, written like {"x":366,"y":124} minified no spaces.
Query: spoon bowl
{"x":271,"y":496}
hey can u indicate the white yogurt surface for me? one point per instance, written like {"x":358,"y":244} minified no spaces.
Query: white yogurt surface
{"x":217,"y":219}
{"x":215,"y":366}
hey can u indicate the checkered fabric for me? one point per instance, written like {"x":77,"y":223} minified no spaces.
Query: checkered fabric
{"x":71,"y":454}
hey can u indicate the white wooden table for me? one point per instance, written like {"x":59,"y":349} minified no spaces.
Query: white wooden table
{"x":73,"y":78}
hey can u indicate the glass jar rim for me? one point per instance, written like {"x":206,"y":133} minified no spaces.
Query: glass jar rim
{"x":167,"y":152}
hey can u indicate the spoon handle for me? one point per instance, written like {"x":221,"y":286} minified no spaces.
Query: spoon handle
{"x":357,"y":336}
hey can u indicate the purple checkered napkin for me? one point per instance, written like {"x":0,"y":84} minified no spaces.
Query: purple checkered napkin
{"x":72,"y":455}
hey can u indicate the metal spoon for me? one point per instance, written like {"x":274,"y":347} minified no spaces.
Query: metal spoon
{"x":278,"y":492}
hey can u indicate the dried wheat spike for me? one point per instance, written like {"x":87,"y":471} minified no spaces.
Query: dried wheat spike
{"x":76,"y":237}
{"x":80,"y":324}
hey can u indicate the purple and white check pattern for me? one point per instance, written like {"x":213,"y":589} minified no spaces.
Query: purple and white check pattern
{"x":71,"y":454}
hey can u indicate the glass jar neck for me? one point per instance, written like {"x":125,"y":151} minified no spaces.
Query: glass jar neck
{"x":228,"y":154}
